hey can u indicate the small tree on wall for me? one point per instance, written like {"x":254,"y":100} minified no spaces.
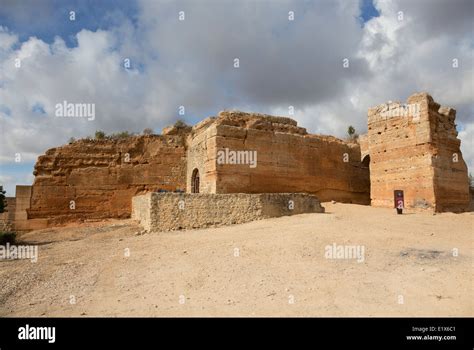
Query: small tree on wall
{"x":180,"y":124}
{"x":99,"y":135}
{"x":352,"y":133}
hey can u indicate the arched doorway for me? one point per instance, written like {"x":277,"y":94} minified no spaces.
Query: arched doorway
{"x":195,"y":181}
{"x":366,"y":161}
{"x":366,"y":165}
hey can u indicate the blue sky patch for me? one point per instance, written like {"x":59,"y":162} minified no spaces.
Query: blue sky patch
{"x":47,"y":19}
{"x":368,"y":11}
{"x":5,"y":110}
{"x":38,"y":108}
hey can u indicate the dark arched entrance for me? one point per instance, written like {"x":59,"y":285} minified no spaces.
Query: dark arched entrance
{"x":366,"y":161}
{"x":195,"y":181}
{"x":366,"y":165}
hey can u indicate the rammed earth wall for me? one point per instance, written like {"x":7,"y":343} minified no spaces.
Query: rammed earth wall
{"x":94,"y":179}
{"x":416,"y":150}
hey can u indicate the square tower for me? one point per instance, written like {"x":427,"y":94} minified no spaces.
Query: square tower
{"x":414,"y":147}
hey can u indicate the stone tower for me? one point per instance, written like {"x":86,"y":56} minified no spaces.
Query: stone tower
{"x":414,"y":147}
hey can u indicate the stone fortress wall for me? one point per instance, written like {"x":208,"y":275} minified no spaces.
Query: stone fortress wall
{"x":287,"y":159}
{"x":95,"y":179}
{"x":415,"y":150}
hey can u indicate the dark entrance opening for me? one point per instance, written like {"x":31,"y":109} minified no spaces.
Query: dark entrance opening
{"x":366,"y":165}
{"x":195,"y":181}
{"x":366,"y":161}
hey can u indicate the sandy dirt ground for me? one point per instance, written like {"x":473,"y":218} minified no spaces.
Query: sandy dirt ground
{"x":416,"y":264}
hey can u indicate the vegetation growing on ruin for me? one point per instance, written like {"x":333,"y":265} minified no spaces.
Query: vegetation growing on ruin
{"x":101,"y":135}
{"x":120,"y":135}
{"x":353,"y":136}
{"x":180,"y":124}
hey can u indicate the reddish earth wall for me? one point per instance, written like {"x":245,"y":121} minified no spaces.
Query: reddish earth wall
{"x":102,"y":176}
{"x":418,"y":153}
{"x":288,"y":159}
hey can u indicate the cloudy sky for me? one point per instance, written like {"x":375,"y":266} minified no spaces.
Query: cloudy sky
{"x":394,"y":48}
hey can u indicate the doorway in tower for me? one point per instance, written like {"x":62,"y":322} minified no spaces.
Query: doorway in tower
{"x":195,"y":181}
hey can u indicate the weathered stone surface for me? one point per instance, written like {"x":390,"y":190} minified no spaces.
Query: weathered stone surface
{"x":173,"y":211}
{"x":414,"y":148}
{"x":288,"y":159}
{"x":101,"y":177}
{"x":174,"y":130}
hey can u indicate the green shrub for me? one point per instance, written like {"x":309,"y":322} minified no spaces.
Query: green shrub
{"x":99,"y":135}
{"x":180,"y":124}
{"x":350,"y":130}
{"x":120,"y":135}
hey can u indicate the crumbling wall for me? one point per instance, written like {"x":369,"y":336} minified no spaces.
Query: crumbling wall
{"x":93,"y":179}
{"x":22,"y":204}
{"x":287,"y":159}
{"x":16,"y":216}
{"x":451,"y":181}
{"x":173,"y":211}
{"x":412,"y":147}
{"x":141,"y":210}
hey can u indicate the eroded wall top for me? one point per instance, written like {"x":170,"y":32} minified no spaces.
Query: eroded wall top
{"x":97,"y":178}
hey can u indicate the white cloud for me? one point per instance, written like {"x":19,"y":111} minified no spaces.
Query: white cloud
{"x":283,"y":63}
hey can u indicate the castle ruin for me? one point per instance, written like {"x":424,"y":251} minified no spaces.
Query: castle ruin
{"x":411,"y":147}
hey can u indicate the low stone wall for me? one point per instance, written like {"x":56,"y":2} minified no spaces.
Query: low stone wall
{"x":175,"y":211}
